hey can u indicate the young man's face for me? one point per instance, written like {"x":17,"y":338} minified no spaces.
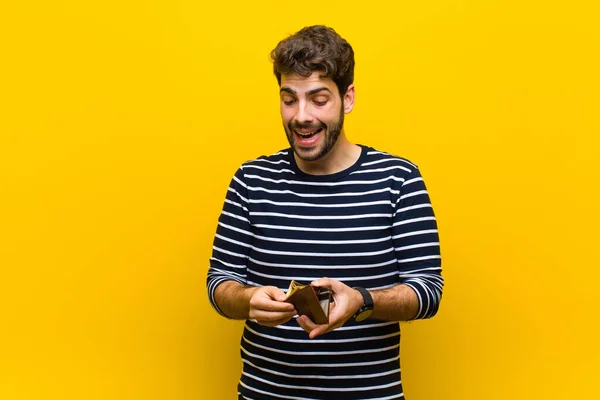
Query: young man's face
{"x":313,"y":114}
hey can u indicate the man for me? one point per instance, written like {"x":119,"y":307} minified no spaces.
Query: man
{"x":324,"y":208}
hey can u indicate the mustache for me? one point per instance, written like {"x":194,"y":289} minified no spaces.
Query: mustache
{"x":296,"y":126}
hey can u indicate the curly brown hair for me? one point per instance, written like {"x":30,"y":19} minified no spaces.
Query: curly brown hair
{"x":315,"y":48}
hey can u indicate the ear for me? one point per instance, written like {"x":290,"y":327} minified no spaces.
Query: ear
{"x":349,"y":99}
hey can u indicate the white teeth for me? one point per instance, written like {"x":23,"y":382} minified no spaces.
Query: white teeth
{"x":306,"y":134}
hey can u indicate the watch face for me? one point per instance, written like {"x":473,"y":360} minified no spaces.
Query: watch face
{"x":363,"y":315}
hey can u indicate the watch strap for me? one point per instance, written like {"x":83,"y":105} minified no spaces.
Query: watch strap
{"x":367,"y":301}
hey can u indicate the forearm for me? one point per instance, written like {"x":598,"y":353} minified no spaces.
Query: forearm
{"x":399,"y":303}
{"x":233,"y":299}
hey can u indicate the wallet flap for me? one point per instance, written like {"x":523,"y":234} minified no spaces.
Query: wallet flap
{"x":312,"y":301}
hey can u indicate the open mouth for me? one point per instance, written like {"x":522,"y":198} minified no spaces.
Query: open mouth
{"x":308,"y":134}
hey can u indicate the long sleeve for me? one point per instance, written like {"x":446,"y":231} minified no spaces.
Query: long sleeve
{"x":416,"y":243}
{"x":233,"y":239}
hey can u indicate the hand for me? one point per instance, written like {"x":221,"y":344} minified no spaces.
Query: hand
{"x":267,"y":306}
{"x":346,"y":303}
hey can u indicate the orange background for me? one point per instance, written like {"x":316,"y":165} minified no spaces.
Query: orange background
{"x":121,"y":124}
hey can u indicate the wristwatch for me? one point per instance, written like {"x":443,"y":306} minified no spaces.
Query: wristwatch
{"x":367,"y":308}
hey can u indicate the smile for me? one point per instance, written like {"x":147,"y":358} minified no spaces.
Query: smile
{"x":305,"y":134}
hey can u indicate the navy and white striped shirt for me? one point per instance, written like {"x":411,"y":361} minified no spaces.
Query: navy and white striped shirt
{"x":371,"y":225}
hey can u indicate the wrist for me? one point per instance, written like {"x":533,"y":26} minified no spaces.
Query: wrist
{"x":359,"y":301}
{"x":366,"y":304}
{"x":246,"y":294}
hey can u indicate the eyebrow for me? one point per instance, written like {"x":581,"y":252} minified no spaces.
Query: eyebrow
{"x":308,"y":93}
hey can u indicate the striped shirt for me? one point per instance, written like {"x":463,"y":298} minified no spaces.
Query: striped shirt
{"x":371,"y":225}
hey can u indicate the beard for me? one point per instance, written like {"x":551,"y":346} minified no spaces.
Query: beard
{"x":331,"y":134}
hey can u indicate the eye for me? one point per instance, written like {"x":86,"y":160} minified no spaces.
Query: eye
{"x":288,"y":102}
{"x":320,"y":102}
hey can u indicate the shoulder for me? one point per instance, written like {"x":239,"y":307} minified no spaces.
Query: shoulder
{"x":381,"y":161}
{"x":277,"y":163}
{"x":279,"y":158}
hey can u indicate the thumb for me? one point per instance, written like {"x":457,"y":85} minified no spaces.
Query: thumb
{"x":321,"y":282}
{"x":276,"y":293}
{"x":280,"y":296}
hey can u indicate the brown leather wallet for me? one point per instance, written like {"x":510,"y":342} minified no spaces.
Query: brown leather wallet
{"x":312,"y":301}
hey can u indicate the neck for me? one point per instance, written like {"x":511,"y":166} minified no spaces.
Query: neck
{"x":343,"y":155}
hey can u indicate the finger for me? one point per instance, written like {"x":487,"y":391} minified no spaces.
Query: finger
{"x":336,"y":319}
{"x":276,"y":322}
{"x":305,"y":323}
{"x":273,"y":322}
{"x":275,"y":293}
{"x":268,"y":304}
{"x":270,"y":317}
{"x":322,"y":329}
{"x":322,"y":282}
{"x":276,"y":306}
{"x":280,"y":296}
{"x":319,"y":330}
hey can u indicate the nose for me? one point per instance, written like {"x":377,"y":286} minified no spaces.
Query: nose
{"x":303,"y":116}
